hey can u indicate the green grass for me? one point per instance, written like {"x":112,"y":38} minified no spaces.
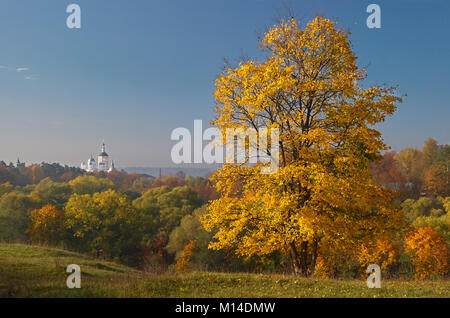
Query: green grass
{"x":31,"y":271}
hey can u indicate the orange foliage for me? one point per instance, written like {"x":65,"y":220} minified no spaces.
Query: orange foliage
{"x":170,"y":181}
{"x":429,"y":252}
{"x":67,"y":176}
{"x":205,"y":191}
{"x":386,"y":171}
{"x":185,"y":258}
{"x":34,"y":173}
{"x":382,"y":252}
{"x":435,"y":182}
{"x":326,"y":267}
{"x":122,"y":179}
{"x":46,"y":225}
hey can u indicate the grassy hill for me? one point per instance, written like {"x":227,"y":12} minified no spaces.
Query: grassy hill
{"x":31,"y":271}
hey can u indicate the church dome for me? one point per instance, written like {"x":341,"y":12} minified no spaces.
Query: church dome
{"x":103,"y":153}
{"x":102,"y":164}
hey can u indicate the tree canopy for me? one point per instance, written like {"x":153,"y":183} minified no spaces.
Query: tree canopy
{"x":310,"y":88}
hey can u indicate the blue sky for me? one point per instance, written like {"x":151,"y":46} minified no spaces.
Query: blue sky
{"x":138,"y":69}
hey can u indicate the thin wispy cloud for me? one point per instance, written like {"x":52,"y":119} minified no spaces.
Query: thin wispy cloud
{"x":2,"y":67}
{"x":32,"y":77}
{"x":22,"y":69}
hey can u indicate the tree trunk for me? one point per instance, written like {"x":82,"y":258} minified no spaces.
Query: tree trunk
{"x":303,"y":264}
{"x":304,"y":259}
{"x":294,"y":259}
{"x":313,"y":258}
{"x":299,"y":259}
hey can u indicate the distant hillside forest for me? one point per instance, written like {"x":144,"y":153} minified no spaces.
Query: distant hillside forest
{"x":154,"y":223}
{"x":415,"y":172}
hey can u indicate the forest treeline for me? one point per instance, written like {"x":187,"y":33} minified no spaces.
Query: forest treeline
{"x":415,"y":172}
{"x":154,"y":223}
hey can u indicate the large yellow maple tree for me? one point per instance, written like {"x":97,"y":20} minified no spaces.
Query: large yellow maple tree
{"x":321,"y":198}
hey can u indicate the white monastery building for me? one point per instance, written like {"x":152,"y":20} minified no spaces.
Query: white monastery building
{"x":103,"y":162}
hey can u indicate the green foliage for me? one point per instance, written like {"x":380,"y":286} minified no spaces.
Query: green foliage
{"x":429,"y":212}
{"x":421,"y":207}
{"x":168,"y":206}
{"x":90,"y":185}
{"x":55,"y":170}
{"x":5,"y":188}
{"x":15,"y":209}
{"x":441,"y":224}
{"x":131,"y":194}
{"x":50,"y":192}
{"x":194,"y":181}
{"x":141,"y":184}
{"x":445,"y":203}
{"x":190,"y":229}
{"x":20,"y":175}
{"x":106,"y":224}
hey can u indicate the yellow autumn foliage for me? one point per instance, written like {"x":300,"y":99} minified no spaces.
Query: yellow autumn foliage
{"x":309,"y":87}
{"x":184,"y":261}
{"x":46,"y":225}
{"x":383,"y":252}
